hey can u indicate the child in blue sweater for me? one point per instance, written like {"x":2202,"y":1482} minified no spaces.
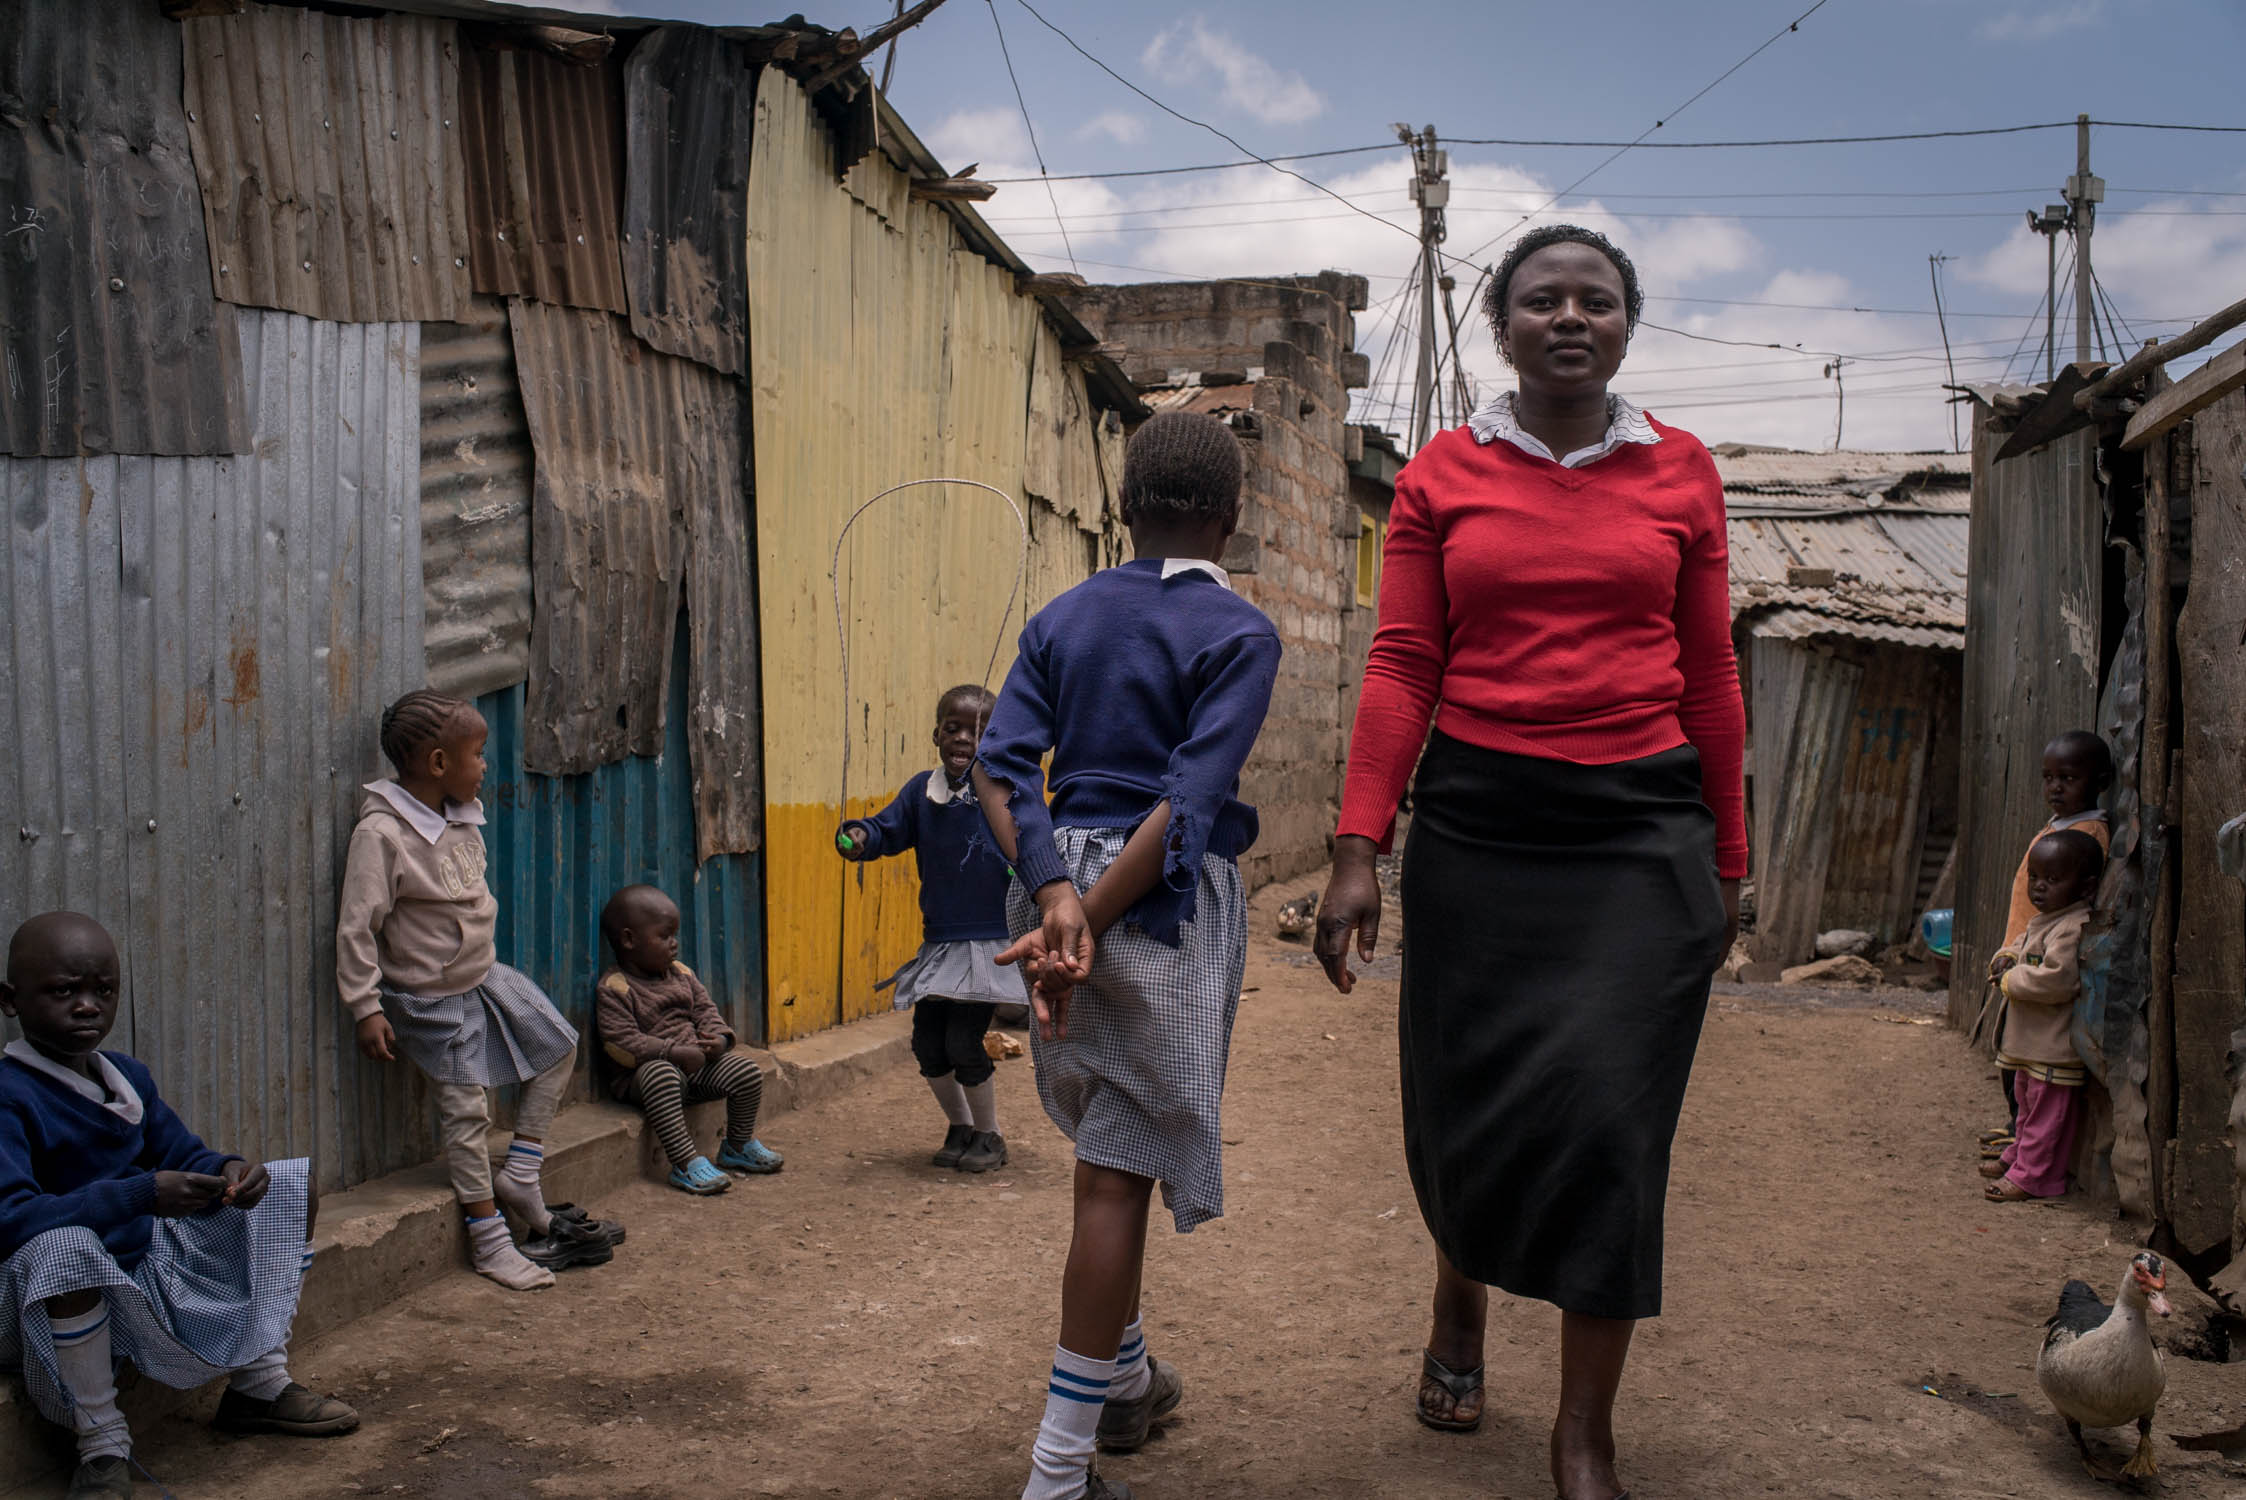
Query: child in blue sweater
{"x":954,"y":982}
{"x":1148,"y":684}
{"x":123,"y":1236}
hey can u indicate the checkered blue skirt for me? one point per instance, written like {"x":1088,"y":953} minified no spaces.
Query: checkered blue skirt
{"x":504,"y":1031}
{"x":214,"y":1292}
{"x":1138,"y":1080}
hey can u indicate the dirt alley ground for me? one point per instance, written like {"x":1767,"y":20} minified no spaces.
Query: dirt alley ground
{"x":866,"y":1326}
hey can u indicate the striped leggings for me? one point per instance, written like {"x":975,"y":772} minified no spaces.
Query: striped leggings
{"x":662,"y":1092}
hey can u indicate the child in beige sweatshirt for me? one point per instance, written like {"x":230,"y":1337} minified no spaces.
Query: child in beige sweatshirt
{"x":2039,"y":975}
{"x":417,"y":969}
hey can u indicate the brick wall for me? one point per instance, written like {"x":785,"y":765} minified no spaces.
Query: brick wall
{"x":1295,"y":556}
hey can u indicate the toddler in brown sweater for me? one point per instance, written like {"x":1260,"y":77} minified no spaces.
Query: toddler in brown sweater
{"x":670,"y":1047}
{"x":418,"y":971}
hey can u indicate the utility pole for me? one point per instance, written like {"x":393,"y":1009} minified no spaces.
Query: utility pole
{"x":2084,"y":194}
{"x":1934,"y":271}
{"x":1431,"y":190}
{"x":2051,"y":223}
{"x":1840,"y":394}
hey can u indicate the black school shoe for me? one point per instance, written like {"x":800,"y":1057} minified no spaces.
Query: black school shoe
{"x":105,"y":1478}
{"x":956,"y":1141}
{"x":985,"y":1152}
{"x":1096,"y":1488}
{"x":1124,"y":1425}
{"x":568,"y":1244}
{"x":575,"y":1215}
{"x":295,"y":1412}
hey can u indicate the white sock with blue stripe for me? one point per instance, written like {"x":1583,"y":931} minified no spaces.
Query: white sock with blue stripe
{"x":1074,"y":1398}
{"x":518,"y":1186}
{"x":1132,"y":1376}
{"x":266,"y":1376}
{"x":82,"y":1353}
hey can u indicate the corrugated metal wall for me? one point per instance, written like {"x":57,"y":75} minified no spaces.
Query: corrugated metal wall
{"x":880,"y":350}
{"x":1872,"y":883}
{"x":1804,"y":705}
{"x":110,"y":340}
{"x":561,"y":845}
{"x":689,"y":94}
{"x":475,"y":504}
{"x":2031,"y":669}
{"x":329,"y":156}
{"x":199,"y":651}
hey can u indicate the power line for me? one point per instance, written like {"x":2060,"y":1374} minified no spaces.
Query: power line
{"x":1217,"y":166}
{"x":1606,"y":213}
{"x":1058,"y":222}
{"x":1203,"y":124}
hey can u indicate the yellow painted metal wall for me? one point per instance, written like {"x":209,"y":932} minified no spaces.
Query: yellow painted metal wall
{"x":882,"y":349}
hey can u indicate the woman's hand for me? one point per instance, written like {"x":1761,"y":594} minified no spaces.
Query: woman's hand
{"x":179,"y":1194}
{"x":1730,"y":918}
{"x":1352,"y":905}
{"x":246,"y":1183}
{"x":376,"y":1037}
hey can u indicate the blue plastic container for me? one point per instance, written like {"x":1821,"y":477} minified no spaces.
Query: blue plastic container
{"x":1935,"y":926}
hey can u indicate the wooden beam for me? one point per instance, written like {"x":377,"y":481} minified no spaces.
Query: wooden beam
{"x":1049,"y":284}
{"x":2153,"y":356}
{"x":2055,"y":415}
{"x":1091,"y":353}
{"x":847,"y":47}
{"x":2202,"y":388}
{"x":952,"y":190}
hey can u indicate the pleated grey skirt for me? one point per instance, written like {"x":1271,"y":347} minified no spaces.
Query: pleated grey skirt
{"x":1565,"y":922}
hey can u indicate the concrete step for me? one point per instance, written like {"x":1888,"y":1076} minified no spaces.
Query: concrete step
{"x":379,"y":1241}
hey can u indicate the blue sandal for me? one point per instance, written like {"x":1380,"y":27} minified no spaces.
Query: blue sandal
{"x":756,"y":1158}
{"x":700,"y":1178}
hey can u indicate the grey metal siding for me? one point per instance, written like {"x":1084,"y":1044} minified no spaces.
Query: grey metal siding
{"x":201,"y":648}
{"x":689,"y":95}
{"x":475,"y":504}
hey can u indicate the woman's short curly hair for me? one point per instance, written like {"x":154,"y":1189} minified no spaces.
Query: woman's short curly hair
{"x":1494,"y":302}
{"x":1182,"y":467}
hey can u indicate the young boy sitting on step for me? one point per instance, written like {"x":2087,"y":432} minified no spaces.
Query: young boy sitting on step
{"x":123,"y":1236}
{"x":670,"y":1047}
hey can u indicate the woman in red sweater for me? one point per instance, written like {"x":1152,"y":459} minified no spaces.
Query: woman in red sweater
{"x":1555,"y":601}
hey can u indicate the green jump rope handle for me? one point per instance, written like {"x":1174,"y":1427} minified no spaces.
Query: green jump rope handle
{"x":846,"y":842}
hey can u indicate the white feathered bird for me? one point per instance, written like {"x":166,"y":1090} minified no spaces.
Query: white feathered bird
{"x":2098,"y":1365}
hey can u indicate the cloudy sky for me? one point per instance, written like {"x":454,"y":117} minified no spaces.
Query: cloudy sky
{"x":1821,"y":249}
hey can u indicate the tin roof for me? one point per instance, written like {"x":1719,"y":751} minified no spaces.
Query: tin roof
{"x":1870,"y":546}
{"x":1213,"y":399}
{"x":110,"y":339}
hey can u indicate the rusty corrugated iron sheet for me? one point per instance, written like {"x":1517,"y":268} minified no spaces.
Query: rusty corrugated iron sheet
{"x":542,"y":142}
{"x":327,"y":149}
{"x":862,"y":300}
{"x":1871,"y":884}
{"x":199,"y":650}
{"x":688,"y":96}
{"x":1786,"y":623}
{"x":110,"y":339}
{"x":2110,"y":1030}
{"x":475,"y":504}
{"x":641,"y":505}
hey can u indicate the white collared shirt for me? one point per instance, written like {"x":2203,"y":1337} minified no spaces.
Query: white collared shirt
{"x":1625,"y":424}
{"x":114,"y":1093}
{"x":1173,"y":566}
{"x":943,"y":793}
{"x":426,"y":821}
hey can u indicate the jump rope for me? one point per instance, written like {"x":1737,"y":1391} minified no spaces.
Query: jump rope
{"x":844,"y":839}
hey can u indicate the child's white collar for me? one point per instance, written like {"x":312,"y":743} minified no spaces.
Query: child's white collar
{"x":427,"y":822}
{"x":114,"y":1093}
{"x":1173,"y":566}
{"x":943,"y":793}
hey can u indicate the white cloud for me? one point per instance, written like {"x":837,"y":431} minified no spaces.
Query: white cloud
{"x":1191,"y":51}
{"x":969,"y":136}
{"x":1118,"y":125}
{"x":2040,"y":23}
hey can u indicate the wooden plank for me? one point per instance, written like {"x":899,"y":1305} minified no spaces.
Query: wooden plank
{"x":2209,"y":988}
{"x":1790,"y":898}
{"x":2123,"y":375}
{"x":2202,"y":388}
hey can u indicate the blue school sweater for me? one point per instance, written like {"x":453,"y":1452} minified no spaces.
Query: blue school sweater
{"x":65,"y":1160}
{"x":962,"y":879}
{"x":1145,"y":689}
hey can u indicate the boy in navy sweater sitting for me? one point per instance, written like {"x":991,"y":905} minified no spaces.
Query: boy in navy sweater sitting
{"x":954,"y":983}
{"x":123,"y":1236}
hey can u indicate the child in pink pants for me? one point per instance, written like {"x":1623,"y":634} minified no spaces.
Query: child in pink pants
{"x":2040,"y":974}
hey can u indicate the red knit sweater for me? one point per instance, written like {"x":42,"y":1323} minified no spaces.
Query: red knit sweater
{"x":1574,"y":614}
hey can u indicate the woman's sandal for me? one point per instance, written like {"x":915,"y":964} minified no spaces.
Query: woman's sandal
{"x":1459,"y":1383}
{"x":1993,"y":1167}
{"x":2004,"y":1190}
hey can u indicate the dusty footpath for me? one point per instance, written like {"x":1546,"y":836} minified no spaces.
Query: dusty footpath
{"x":864,"y":1325}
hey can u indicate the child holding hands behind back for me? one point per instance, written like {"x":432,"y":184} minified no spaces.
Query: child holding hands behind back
{"x":671,"y":1046}
{"x":123,"y":1236}
{"x":1149,"y":684}
{"x":954,"y":983}
{"x":2040,"y":975}
{"x":417,"y":969}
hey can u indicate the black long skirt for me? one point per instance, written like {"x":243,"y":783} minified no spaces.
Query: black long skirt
{"x":1564,"y":923}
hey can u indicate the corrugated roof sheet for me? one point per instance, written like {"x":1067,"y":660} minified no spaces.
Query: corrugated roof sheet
{"x":110,"y":339}
{"x":1890,"y":527}
{"x":689,"y":96}
{"x":1214,"y":399}
{"x":199,"y":650}
{"x":1802,"y":624}
{"x":542,"y":142}
{"x":329,"y":159}
{"x":475,"y":505}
